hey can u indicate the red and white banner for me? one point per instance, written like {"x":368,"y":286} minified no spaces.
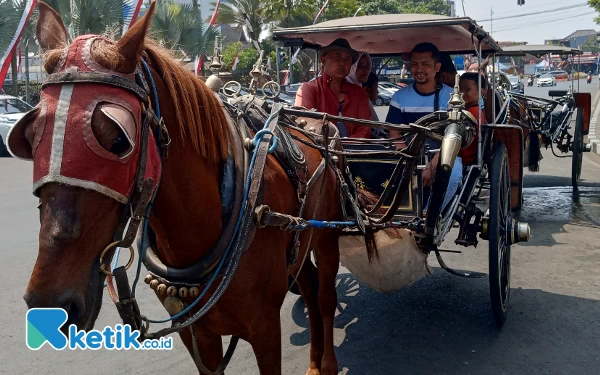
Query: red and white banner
{"x":320,"y":12}
{"x":200,"y":59}
{"x":132,"y":17}
{"x":214,"y":16}
{"x":198,"y":64}
{"x":285,"y":79}
{"x":236,"y":60}
{"x":6,"y":56}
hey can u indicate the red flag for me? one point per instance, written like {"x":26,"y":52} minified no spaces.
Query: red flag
{"x":285,"y":78}
{"x":6,"y":56}
{"x":236,"y":60}
{"x":214,"y":16}
{"x":199,"y":62}
{"x":19,"y":61}
{"x":200,"y":59}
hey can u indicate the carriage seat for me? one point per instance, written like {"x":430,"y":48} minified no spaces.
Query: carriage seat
{"x":557,"y":93}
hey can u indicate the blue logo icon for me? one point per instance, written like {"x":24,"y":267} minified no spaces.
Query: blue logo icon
{"x":43,"y":325}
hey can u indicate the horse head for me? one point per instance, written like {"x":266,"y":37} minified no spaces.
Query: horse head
{"x":87,"y":144}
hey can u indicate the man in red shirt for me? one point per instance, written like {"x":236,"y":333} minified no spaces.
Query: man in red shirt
{"x":331,"y":93}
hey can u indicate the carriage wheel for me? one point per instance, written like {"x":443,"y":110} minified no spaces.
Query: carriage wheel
{"x":498,"y":231}
{"x":577,"y":148}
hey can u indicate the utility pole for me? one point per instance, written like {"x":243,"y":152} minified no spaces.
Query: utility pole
{"x":491,"y":21}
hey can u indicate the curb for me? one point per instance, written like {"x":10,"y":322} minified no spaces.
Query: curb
{"x":592,"y":137}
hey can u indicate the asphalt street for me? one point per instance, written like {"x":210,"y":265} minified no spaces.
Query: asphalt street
{"x":439,"y":325}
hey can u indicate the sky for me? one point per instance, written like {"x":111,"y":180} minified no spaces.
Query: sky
{"x":534,"y":29}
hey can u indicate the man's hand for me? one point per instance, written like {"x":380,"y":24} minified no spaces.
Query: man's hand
{"x":429,"y":169}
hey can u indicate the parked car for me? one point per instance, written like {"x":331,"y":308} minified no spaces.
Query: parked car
{"x":384,"y":98}
{"x":11,"y":110}
{"x":517,"y":84}
{"x":389,"y":86}
{"x":546,"y":80}
{"x":291,"y":89}
{"x":559,"y":74}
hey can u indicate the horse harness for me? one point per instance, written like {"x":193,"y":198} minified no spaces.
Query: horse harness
{"x":240,"y":190}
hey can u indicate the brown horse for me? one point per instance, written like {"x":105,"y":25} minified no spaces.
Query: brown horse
{"x":78,"y":221}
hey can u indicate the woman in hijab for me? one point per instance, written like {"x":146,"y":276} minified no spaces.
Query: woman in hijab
{"x":359,"y":74}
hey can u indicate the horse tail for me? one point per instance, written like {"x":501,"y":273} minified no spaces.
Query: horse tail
{"x":366,"y":199}
{"x":534,"y":151}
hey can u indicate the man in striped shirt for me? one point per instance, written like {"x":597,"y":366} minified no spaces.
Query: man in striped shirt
{"x":424,"y":97}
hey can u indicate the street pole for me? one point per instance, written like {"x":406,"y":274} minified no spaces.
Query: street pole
{"x":277,"y":63}
{"x":27,"y":71}
{"x":491,"y":21}
{"x":291,"y":66}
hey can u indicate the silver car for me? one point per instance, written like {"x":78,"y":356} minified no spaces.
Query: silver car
{"x":546,"y":80}
{"x":11,"y":110}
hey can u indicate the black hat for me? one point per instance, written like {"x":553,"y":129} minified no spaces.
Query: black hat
{"x":340,"y":44}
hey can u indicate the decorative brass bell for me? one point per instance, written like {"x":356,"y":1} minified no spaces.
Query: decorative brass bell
{"x":173,"y":305}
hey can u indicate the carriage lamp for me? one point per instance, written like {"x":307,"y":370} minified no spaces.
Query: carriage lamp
{"x":214,"y":82}
{"x":454,"y":134}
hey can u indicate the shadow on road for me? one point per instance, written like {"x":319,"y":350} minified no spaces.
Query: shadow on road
{"x":443,"y":325}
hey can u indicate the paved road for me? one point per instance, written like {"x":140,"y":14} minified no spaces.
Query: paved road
{"x":441,"y":324}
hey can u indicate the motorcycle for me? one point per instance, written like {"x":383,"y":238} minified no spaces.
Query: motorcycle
{"x":530,"y":82}
{"x":589,"y":79}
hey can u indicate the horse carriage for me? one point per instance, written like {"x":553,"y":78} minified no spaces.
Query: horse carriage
{"x":548,"y":122}
{"x":413,"y":222}
{"x":125,"y":140}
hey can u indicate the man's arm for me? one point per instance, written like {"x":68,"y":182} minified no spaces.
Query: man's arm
{"x":305,"y":97}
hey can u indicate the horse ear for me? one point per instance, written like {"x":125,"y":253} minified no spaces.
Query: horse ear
{"x":132,"y":43}
{"x":50,"y":30}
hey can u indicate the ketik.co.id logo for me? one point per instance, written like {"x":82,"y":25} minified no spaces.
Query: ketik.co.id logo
{"x":43,"y":326}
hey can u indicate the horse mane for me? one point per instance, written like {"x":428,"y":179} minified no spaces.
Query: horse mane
{"x":199,"y":113}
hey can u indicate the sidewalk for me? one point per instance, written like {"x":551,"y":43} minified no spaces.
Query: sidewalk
{"x":594,"y":135}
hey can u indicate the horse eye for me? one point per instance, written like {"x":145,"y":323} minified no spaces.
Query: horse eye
{"x":116,"y":130}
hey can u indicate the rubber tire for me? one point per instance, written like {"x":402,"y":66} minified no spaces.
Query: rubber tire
{"x":499,"y":249}
{"x":577,"y":148}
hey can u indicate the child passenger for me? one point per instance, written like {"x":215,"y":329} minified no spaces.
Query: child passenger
{"x":471,"y":95}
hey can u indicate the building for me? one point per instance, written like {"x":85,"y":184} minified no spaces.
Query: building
{"x":574,"y":40}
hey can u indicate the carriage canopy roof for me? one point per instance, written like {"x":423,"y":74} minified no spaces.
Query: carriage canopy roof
{"x":538,"y":50}
{"x":392,"y":34}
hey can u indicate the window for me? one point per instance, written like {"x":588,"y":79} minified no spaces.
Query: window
{"x":8,"y":106}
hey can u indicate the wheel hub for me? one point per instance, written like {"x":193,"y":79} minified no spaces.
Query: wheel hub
{"x":517,"y":231}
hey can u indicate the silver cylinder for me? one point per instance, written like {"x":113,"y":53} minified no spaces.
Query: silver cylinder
{"x":451,"y":145}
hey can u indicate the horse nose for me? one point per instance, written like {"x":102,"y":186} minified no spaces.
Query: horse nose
{"x":68,"y":301}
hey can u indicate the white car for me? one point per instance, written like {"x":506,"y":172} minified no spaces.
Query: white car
{"x":11,"y":110}
{"x":388,"y":86}
{"x":546,"y":80}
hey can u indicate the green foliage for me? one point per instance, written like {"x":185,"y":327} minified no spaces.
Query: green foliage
{"x":232,"y":12}
{"x":591,"y":45}
{"x":596,"y":5}
{"x":179,"y":27}
{"x":405,"y":6}
{"x":247,"y":56}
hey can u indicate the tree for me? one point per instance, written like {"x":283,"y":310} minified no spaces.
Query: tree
{"x":591,"y":45}
{"x":596,"y":5}
{"x":179,"y":27}
{"x":405,"y":6}
{"x":234,"y":12}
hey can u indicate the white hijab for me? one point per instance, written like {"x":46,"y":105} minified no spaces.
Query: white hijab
{"x":352,"y":76}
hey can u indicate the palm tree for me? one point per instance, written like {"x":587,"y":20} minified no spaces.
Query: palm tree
{"x":235,"y":12}
{"x":179,"y":27}
{"x":11,"y":12}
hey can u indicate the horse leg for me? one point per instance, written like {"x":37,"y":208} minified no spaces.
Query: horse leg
{"x":328,"y":264}
{"x":209,"y":344}
{"x":307,"y":281}
{"x":265,"y":339}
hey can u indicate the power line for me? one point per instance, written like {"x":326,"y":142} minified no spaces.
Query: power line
{"x":546,"y":4}
{"x":545,"y":22}
{"x":536,"y":18}
{"x":540,"y":12}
